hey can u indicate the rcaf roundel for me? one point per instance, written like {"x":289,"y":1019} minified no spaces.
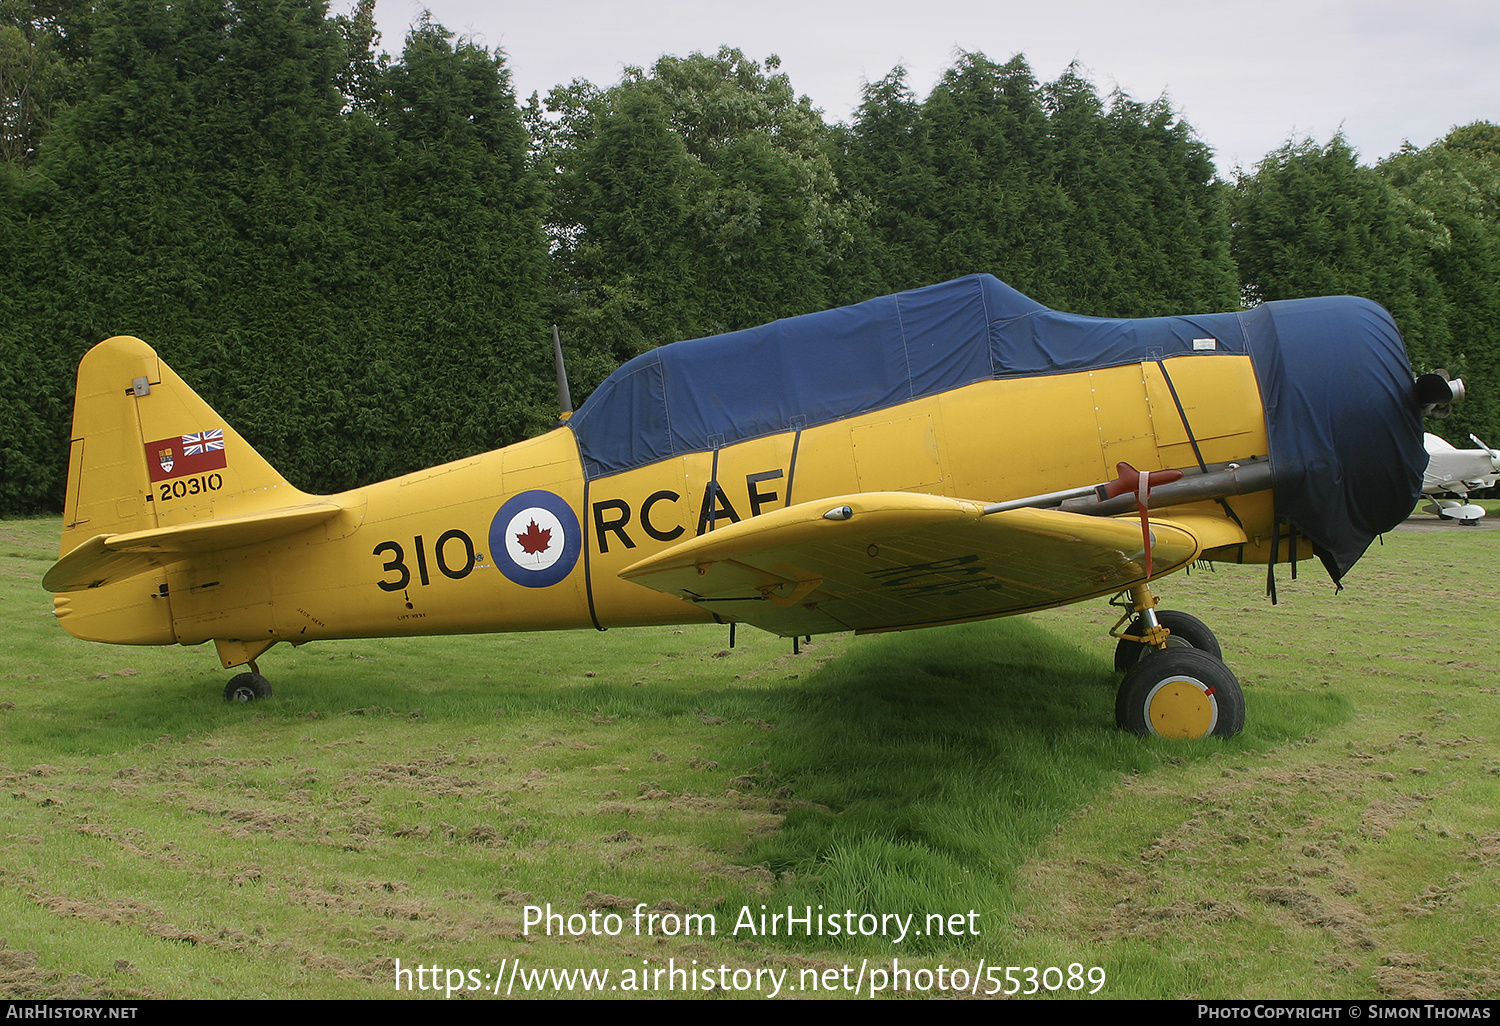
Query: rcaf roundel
{"x":535,"y":539}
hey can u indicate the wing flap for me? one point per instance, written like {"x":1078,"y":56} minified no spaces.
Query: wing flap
{"x":104,"y":559}
{"x":902,"y":560}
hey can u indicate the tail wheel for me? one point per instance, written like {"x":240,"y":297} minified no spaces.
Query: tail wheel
{"x":1180,"y":693}
{"x":246,"y":687}
{"x":1187,"y":632}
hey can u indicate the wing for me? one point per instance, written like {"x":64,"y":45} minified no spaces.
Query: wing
{"x":891,"y":560}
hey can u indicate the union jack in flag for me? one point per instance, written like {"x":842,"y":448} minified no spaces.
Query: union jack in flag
{"x":200,"y":442}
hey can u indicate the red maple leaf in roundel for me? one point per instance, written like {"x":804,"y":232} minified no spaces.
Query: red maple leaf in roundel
{"x":535,"y":539}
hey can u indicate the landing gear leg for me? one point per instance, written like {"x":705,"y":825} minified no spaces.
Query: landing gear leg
{"x":1183,"y":630}
{"x":1176,"y":685}
{"x":1147,"y":631}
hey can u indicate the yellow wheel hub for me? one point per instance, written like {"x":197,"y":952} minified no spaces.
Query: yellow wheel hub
{"x":1181,"y":707}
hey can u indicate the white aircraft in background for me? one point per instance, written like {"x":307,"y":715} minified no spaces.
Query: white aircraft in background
{"x":1455,"y":473}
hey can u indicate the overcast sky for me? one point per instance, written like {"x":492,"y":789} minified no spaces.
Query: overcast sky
{"x":1247,"y":75}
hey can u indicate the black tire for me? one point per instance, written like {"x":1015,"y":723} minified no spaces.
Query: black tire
{"x":1180,"y":693}
{"x":246,"y":687}
{"x":1187,"y":632}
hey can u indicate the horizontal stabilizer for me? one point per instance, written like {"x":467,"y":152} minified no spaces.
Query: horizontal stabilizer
{"x":104,"y":559}
{"x":890,"y":560}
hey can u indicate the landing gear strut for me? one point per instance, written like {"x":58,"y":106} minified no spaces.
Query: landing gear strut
{"x":1187,"y":632}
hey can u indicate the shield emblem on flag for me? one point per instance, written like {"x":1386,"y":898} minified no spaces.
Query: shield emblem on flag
{"x":165,"y":459}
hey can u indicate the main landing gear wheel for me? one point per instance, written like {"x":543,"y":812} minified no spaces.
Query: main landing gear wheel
{"x":246,"y":687}
{"x":1180,"y":693}
{"x":1187,"y":632}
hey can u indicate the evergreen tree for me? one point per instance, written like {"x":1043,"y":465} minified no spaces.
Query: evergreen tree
{"x":1099,"y":239}
{"x":624,"y":217}
{"x":693,"y":199}
{"x":1147,"y":229}
{"x":356,"y":287}
{"x":43,"y":44}
{"x":1312,"y":221}
{"x":998,"y":211}
{"x":886,"y":166}
{"x":335,"y":245}
{"x":1103,"y":210}
{"x":36,"y":378}
{"x":358,"y":77}
{"x":197,"y":182}
{"x":465,"y":256}
{"x":1182,"y":209}
{"x":1456,"y":182}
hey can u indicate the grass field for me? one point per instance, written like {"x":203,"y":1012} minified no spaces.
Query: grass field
{"x":400,"y":805}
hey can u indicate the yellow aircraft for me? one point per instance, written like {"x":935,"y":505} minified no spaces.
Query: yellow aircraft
{"x":948,"y":454}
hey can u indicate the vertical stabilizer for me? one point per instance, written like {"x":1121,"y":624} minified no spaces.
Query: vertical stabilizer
{"x":147,"y":453}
